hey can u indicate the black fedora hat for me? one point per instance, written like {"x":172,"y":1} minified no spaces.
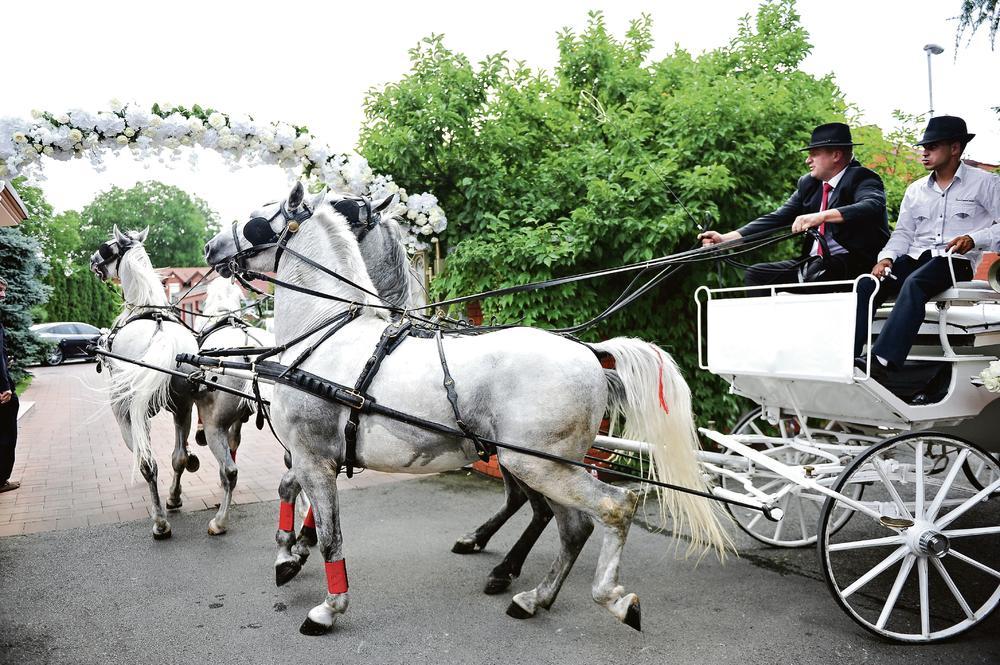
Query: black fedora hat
{"x":945,"y":128}
{"x":831,"y":135}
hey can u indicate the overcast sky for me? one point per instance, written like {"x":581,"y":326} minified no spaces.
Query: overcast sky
{"x":311,"y":64}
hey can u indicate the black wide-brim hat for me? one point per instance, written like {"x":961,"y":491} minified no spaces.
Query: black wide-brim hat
{"x":945,"y":128}
{"x":831,"y":135}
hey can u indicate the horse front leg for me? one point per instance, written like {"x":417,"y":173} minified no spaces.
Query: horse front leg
{"x":320,"y":482}
{"x":181,"y":459}
{"x":514,"y":498}
{"x":288,"y":563}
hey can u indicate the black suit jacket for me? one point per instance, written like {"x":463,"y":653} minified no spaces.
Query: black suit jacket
{"x":860,"y":198}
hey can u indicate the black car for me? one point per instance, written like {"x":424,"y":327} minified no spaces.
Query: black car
{"x":68,"y":339}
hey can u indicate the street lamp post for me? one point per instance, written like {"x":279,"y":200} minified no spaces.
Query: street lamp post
{"x":931,"y":49}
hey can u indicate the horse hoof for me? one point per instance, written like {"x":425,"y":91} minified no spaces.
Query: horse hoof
{"x":517,"y":612}
{"x":633,"y":617}
{"x":161,"y":535}
{"x":284,"y":572}
{"x":463,"y":546}
{"x":311,"y":628}
{"x":214,"y":529}
{"x":193,"y":463}
{"x":308,"y":535}
{"x":174,"y":504}
{"x":199,"y":438}
{"x":495,"y":585}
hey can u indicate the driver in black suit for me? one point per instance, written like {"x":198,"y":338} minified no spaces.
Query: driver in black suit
{"x":842,"y":199}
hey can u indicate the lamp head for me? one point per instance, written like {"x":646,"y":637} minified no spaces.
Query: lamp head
{"x":934,"y":49}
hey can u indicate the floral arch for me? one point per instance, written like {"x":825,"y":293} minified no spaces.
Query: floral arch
{"x":241,"y":140}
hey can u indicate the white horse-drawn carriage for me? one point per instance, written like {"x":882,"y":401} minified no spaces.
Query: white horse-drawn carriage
{"x":883,"y":484}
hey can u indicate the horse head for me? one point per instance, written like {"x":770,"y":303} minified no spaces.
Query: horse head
{"x":106,"y":261}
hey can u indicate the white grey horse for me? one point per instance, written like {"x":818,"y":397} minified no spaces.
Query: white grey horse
{"x":138,"y":393}
{"x":222,"y":414}
{"x":528,"y":387}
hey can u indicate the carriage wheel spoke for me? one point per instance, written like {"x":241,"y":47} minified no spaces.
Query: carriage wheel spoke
{"x":953,"y":515}
{"x":964,"y":533}
{"x":781,"y":522}
{"x":897,"y":587}
{"x":925,"y":598}
{"x":863,"y":544}
{"x":802,"y":517}
{"x":950,"y":583}
{"x":942,"y":493}
{"x":918,"y":463}
{"x":753,"y":522}
{"x":880,"y":568}
{"x":975,"y":564}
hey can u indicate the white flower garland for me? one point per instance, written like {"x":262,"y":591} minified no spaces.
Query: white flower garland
{"x":991,"y":377}
{"x":164,"y":131}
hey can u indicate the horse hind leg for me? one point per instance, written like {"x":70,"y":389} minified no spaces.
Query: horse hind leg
{"x":218,"y":443}
{"x":514,"y":498}
{"x":574,"y":488}
{"x":507,"y":570}
{"x":161,"y":527}
{"x":575,"y":528}
{"x":181,"y":460}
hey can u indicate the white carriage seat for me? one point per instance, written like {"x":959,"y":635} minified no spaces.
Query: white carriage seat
{"x":967,"y":293}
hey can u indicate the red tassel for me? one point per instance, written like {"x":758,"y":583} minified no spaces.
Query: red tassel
{"x":286,"y":516}
{"x":663,"y":402}
{"x":336,"y":576}
{"x":309,"y":521}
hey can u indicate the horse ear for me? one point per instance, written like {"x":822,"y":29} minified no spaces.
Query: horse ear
{"x":120,"y":237}
{"x":143,"y":234}
{"x":384,"y":204}
{"x":296,"y":196}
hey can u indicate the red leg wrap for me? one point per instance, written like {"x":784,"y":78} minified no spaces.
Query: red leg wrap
{"x":336,"y":576}
{"x":309,"y":521}
{"x":286,"y":516}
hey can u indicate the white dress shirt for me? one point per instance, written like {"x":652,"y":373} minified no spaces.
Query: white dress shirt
{"x":929,"y":217}
{"x":831,"y":244}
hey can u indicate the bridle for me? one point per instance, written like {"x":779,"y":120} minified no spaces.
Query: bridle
{"x":108,"y":255}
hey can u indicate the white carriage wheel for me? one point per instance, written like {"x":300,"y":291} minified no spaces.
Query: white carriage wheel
{"x":981,"y":474}
{"x":802,"y":508}
{"x":927,"y":569}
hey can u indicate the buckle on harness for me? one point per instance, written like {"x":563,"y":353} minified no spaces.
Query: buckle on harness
{"x":354,"y":399}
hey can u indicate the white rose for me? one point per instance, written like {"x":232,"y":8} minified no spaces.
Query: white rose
{"x":116,"y":105}
{"x":122,"y":140}
{"x":20,"y":137}
{"x":129,"y":132}
{"x":75,"y":135}
{"x":155,"y":121}
{"x":274,"y":147}
{"x":217,"y":120}
{"x":426,"y":229}
{"x":62,"y":118}
{"x":48,"y":150}
{"x":36,"y":114}
{"x":195,"y":125}
{"x":301,"y":142}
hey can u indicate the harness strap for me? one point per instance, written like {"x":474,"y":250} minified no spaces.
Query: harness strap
{"x":391,"y":338}
{"x":482,"y":449}
{"x":351,"y":315}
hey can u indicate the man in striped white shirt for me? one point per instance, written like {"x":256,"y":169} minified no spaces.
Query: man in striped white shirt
{"x":955,"y":208}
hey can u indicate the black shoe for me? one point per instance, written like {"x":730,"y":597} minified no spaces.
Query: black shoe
{"x":879,"y":372}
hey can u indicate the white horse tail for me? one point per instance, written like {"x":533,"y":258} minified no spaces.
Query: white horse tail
{"x":143,"y":392}
{"x":656,"y":406}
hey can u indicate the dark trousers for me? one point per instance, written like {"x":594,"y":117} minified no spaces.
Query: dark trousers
{"x":917,"y":281}
{"x":815,"y":269}
{"x":8,"y":436}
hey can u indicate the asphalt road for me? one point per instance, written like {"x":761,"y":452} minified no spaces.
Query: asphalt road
{"x":110,"y":594}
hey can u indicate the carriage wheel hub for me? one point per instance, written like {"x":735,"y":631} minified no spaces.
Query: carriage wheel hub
{"x":933,"y":543}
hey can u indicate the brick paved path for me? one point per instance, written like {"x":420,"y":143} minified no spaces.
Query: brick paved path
{"x":75,"y":470}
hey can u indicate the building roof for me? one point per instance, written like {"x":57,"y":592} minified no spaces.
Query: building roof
{"x":12,"y":209}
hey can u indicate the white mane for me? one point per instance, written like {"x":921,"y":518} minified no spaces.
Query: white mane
{"x":141,"y":284}
{"x":222,"y":298}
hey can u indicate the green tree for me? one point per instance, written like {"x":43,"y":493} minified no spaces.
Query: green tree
{"x":180,"y":223}
{"x":22,"y":265}
{"x":976,"y":13}
{"x":552,"y":174}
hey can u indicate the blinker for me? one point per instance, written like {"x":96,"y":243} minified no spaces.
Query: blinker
{"x":258,"y":231}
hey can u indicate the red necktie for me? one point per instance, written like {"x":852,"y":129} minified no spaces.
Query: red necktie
{"x":822,"y":206}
